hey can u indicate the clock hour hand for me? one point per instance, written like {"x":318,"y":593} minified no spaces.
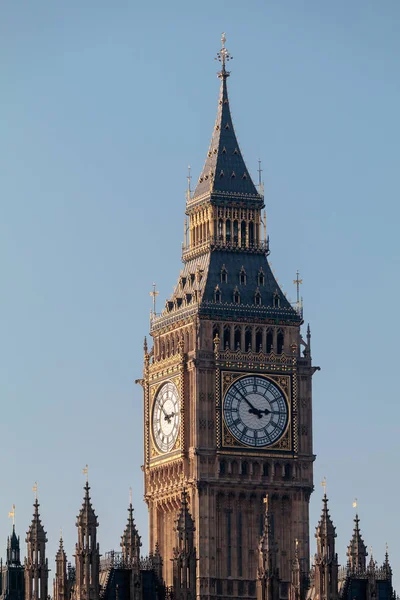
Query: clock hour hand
{"x":167,"y":417}
{"x":252,"y":410}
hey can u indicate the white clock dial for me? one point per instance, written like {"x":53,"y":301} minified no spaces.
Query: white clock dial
{"x":255,"y":411}
{"x":166,"y":416}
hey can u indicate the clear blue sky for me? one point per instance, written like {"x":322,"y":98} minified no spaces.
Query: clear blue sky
{"x":103,"y":106}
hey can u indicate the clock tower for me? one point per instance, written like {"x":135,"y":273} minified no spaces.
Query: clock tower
{"x":227,"y":391}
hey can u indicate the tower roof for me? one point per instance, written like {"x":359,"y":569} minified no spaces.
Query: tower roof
{"x":61,"y":556}
{"x":325,"y":527}
{"x":36,"y":530}
{"x":130,"y":538}
{"x":357,"y":550}
{"x":225,"y":171}
{"x":87,"y":515}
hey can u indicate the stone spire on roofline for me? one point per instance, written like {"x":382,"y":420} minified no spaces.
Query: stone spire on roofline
{"x":357,"y":550}
{"x":130,"y":540}
{"x":225,"y":171}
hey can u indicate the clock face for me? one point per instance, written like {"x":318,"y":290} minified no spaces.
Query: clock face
{"x":255,"y":411}
{"x":166,"y":415}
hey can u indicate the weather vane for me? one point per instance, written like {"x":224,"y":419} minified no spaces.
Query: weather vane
{"x":223,"y":56}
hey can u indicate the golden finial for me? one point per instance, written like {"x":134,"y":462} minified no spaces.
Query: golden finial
{"x":297,"y":283}
{"x":189,"y":178}
{"x":35,"y":490}
{"x":11,"y":514}
{"x":85,"y":471}
{"x":323,"y":483}
{"x":223,"y":56}
{"x":130,"y":496}
{"x":154,"y":295}
{"x":355,"y":503}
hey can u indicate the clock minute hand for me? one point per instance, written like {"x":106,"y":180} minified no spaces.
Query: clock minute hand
{"x":253,"y":409}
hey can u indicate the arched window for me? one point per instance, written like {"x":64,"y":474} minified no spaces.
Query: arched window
{"x":228,"y":231}
{"x":243,"y":233}
{"x":236,"y":296}
{"x":257,"y":298}
{"x":265,"y":471}
{"x":251,"y":233}
{"x":245,"y":468}
{"x":238,"y":338}
{"x":235,"y":232}
{"x":242,"y":276}
{"x":224,"y":275}
{"x":259,"y":345}
{"x":279,"y":342}
{"x":261,"y":277}
{"x":276,"y":299}
{"x":220,"y":229}
{"x":270,"y":341}
{"x":222,"y":467}
{"x":217,"y":295}
{"x":216,"y":332}
{"x":227,"y":337}
{"x":247,"y":339}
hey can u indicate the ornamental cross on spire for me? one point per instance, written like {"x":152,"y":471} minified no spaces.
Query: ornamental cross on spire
{"x":223,"y":56}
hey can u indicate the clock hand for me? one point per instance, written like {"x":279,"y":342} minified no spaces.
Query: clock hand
{"x":252,"y":410}
{"x":169,"y":417}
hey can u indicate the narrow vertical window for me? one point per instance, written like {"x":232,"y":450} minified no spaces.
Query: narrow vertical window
{"x":228,"y":231}
{"x":229,"y":541}
{"x":239,"y":545}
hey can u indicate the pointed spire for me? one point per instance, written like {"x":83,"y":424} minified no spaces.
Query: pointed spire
{"x":13,"y":549}
{"x":386,"y":564}
{"x":61,"y":552}
{"x":36,"y":530}
{"x":325,"y":526}
{"x":130,"y":540}
{"x":184,"y":522}
{"x":87,"y":515}
{"x":357,"y":550}
{"x":225,"y":171}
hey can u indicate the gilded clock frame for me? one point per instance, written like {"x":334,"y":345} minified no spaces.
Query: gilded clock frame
{"x":287,"y":384}
{"x":156,"y":455}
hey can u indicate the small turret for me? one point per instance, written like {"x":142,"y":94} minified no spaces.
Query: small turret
{"x":36,"y":564}
{"x":13,"y":550}
{"x":60,"y":584}
{"x":130,"y":544}
{"x":87,"y":553}
{"x":326,"y":561}
{"x":184,"y":553}
{"x":357,"y":550}
{"x":268,"y":572}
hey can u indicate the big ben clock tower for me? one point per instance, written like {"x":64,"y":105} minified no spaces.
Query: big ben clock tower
{"x":227,"y":390}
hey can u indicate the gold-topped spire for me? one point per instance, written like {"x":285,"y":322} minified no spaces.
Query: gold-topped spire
{"x":355,"y":503}
{"x":11,"y":514}
{"x":223,"y":56}
{"x":35,"y":490}
{"x":323,"y":483}
{"x":85,"y":471}
{"x":130,"y":496}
